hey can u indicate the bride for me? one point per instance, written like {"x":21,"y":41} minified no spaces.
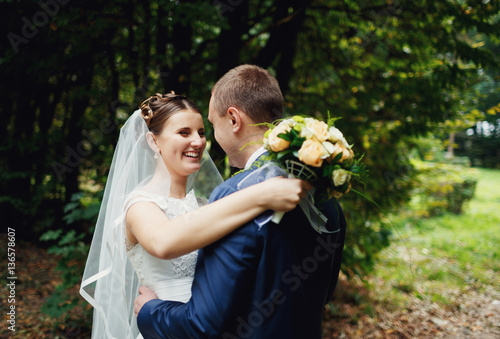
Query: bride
{"x":154,"y":214}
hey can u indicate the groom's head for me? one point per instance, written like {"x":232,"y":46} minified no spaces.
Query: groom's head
{"x":244,"y":96}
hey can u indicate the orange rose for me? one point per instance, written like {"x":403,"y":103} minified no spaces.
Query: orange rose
{"x":336,"y":194}
{"x":275,"y":142}
{"x":310,"y":153}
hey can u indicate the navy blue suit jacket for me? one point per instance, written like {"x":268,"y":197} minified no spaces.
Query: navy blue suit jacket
{"x":271,"y":282}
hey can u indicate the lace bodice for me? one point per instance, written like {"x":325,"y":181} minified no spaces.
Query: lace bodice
{"x":170,"y":279}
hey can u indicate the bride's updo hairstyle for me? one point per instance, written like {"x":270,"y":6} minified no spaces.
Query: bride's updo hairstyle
{"x":158,"y":108}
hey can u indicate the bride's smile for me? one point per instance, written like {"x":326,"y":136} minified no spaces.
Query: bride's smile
{"x":195,"y":155}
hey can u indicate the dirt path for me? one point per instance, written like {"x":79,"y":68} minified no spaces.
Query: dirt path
{"x":473,"y":314}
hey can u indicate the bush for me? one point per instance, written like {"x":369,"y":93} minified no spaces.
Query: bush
{"x":73,"y":248}
{"x":441,"y":188}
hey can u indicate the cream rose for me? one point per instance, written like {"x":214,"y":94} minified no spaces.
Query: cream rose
{"x":276,"y":143}
{"x":310,"y":153}
{"x":340,"y":177}
{"x":315,"y":128}
{"x":340,"y":148}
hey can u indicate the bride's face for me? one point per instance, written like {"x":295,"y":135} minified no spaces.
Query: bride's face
{"x":181,"y":143}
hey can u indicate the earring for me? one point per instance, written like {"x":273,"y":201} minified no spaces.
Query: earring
{"x":156,"y":156}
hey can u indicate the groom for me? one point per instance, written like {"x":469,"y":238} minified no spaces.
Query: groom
{"x":269,"y":282}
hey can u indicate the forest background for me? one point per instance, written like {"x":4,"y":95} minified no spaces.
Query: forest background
{"x":415,"y":83}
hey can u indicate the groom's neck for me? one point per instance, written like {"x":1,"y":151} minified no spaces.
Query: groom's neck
{"x":246,"y":147}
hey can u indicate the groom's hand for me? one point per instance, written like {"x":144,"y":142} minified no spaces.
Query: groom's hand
{"x":146,"y":294}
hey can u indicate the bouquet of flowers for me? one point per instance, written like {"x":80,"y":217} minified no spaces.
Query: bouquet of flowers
{"x":315,"y":151}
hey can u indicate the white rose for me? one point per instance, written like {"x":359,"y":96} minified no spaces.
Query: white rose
{"x":344,"y":142}
{"x":306,"y":133}
{"x":340,"y":177}
{"x":335,"y":134}
{"x":288,"y":122}
{"x":327,"y":150}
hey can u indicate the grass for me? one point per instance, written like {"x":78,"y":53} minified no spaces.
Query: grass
{"x":437,"y":258}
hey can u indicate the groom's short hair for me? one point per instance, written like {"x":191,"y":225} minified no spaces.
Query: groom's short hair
{"x":251,"y":89}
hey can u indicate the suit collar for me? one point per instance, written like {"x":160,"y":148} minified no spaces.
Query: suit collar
{"x":255,"y":155}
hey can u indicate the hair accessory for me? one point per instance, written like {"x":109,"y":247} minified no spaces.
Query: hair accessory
{"x":146,"y":111}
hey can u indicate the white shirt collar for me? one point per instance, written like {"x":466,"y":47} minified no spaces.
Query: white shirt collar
{"x":255,"y":155}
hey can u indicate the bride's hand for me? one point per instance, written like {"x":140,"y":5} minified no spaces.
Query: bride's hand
{"x":283,"y":194}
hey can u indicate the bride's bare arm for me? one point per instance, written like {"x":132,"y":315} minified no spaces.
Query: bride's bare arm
{"x":170,"y":238}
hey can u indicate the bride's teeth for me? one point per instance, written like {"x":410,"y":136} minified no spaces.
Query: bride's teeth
{"x":191,"y":154}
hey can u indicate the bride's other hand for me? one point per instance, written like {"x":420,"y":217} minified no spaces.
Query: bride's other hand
{"x":283,"y":194}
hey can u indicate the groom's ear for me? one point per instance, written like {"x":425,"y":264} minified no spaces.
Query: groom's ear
{"x":235,"y":118}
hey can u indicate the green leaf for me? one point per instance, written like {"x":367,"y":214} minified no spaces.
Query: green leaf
{"x":71,"y":206}
{"x":337,"y":158}
{"x":344,"y":187}
{"x":70,"y":238}
{"x":283,"y":153}
{"x":284,"y":136}
{"x":356,"y":169}
{"x":327,"y":170}
{"x":294,"y":133}
{"x":297,"y":142}
{"x":51,"y":235}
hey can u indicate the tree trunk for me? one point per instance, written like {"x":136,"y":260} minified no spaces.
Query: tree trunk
{"x":161,"y":47}
{"x":74,"y":149}
{"x":451,"y":142}
{"x":230,"y":45}
{"x":283,"y":39}
{"x":230,"y":41}
{"x":180,"y":75}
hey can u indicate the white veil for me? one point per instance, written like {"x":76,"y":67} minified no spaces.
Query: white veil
{"x":109,"y":282}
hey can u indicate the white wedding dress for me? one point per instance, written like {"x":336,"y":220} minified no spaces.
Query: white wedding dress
{"x":169,"y":279}
{"x":115,"y":268}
